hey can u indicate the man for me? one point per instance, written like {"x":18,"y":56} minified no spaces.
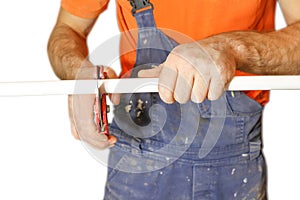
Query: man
{"x":230,"y":38}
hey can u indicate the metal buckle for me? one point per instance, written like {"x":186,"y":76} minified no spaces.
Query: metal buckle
{"x":139,"y":4}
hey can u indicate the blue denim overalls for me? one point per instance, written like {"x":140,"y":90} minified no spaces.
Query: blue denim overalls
{"x":207,"y":151}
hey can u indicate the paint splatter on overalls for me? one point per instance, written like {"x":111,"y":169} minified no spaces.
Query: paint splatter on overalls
{"x":207,"y":151}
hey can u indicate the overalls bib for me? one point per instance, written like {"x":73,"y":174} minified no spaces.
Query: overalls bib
{"x":207,"y":151}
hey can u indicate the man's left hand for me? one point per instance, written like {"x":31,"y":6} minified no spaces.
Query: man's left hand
{"x":194,"y":71}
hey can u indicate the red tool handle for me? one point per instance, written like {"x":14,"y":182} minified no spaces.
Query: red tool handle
{"x":101,"y":107}
{"x":104,"y":110}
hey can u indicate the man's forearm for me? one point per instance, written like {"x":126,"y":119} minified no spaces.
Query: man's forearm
{"x":271,"y":53}
{"x":67,"y":50}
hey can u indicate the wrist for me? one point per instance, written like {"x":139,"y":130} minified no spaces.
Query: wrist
{"x":219,"y":46}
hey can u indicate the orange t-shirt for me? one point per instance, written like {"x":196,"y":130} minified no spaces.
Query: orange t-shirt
{"x":196,"y":19}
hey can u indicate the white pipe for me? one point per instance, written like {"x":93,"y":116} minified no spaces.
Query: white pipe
{"x":265,"y":83}
{"x":134,"y":85}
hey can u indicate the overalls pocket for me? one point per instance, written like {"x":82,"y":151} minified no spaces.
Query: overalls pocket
{"x":230,"y":123}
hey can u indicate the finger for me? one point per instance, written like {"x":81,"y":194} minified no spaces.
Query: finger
{"x":74,"y":131}
{"x":150,"y":73}
{"x":98,"y":140}
{"x":216,"y":88}
{"x":183,"y":88}
{"x":112,"y":139}
{"x":199,"y":91}
{"x":89,"y":134}
{"x":167,"y":83}
{"x":83,"y":112}
{"x":115,"y":98}
{"x":71,"y":118}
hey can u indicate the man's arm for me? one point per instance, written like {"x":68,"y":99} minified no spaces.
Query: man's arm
{"x":68,"y":52}
{"x":194,"y":71}
{"x":67,"y":47}
{"x":270,"y":53}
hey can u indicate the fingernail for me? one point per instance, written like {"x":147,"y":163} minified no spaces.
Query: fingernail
{"x":112,"y":140}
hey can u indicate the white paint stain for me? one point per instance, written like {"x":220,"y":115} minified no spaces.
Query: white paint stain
{"x":145,"y":41}
{"x":140,"y":104}
{"x":133,"y":162}
{"x":233,"y":171}
{"x":188,"y":179}
{"x":128,"y":108}
{"x":235,"y":195}
{"x":186,"y":140}
{"x":138,"y":114}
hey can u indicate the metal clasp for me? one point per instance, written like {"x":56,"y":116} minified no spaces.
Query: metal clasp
{"x":139,"y":4}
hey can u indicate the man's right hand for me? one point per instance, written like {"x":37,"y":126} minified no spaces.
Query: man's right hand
{"x":82,"y":119}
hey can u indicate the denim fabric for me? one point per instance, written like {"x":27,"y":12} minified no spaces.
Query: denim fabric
{"x":207,"y":151}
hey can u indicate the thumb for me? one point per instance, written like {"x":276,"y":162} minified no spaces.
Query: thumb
{"x":150,"y":73}
{"x":111,"y":74}
{"x":115,"y":98}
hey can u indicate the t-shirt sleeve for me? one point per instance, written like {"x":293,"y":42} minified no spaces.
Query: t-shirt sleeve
{"x":84,"y":8}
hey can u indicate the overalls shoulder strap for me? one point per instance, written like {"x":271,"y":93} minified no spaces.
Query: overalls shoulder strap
{"x":138,"y":5}
{"x":142,"y":10}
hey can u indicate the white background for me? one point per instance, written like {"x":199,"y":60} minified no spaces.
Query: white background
{"x":39,"y":159}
